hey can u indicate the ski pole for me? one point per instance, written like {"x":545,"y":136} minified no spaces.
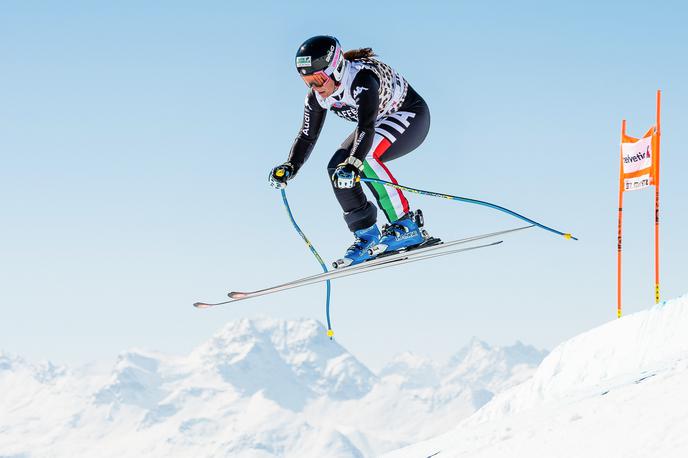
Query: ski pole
{"x":330,"y":332}
{"x":467,"y":200}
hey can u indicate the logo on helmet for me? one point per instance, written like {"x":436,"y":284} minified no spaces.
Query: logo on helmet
{"x":303,"y":61}
{"x":329,"y":54}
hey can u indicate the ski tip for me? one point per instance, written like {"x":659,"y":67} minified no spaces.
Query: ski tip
{"x":201,"y":305}
{"x":237,"y":295}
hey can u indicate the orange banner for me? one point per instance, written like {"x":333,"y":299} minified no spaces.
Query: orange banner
{"x":638,"y":164}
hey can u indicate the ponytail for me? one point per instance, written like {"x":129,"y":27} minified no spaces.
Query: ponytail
{"x":361,"y":53}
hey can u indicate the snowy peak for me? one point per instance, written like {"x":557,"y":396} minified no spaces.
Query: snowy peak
{"x":478,"y":365}
{"x":10,"y":363}
{"x":135,"y":380}
{"x":43,"y":372}
{"x":493,"y":368}
{"x":412,"y":371}
{"x":290,"y":360}
{"x":477,"y":351}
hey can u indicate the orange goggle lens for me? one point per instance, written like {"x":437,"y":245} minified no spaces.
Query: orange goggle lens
{"x":316,"y":79}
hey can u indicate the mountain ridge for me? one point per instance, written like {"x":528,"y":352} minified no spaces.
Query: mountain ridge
{"x":256,"y":387}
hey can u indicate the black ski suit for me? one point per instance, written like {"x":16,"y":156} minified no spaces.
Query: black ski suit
{"x":392,"y":120}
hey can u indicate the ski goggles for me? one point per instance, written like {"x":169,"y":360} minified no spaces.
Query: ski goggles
{"x":317,"y":79}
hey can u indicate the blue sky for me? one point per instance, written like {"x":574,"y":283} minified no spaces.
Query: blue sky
{"x":136,"y":140}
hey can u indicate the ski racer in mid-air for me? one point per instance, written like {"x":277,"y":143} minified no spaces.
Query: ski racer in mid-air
{"x":392,"y":120}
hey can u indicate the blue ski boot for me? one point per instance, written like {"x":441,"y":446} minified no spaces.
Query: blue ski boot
{"x":360,"y":251}
{"x":402,"y":234}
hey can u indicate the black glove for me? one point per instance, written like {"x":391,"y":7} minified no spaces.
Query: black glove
{"x":345,"y":176}
{"x":280,"y":175}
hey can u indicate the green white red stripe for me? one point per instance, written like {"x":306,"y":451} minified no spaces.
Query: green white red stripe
{"x":391,"y":200}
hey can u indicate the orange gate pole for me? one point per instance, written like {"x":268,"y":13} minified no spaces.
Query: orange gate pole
{"x":618,"y":245}
{"x":656,"y":165}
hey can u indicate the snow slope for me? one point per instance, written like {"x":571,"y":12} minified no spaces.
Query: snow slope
{"x":257,"y":388}
{"x":619,"y":390}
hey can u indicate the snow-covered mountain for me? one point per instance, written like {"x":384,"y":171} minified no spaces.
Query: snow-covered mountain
{"x":258,"y":388}
{"x":619,"y":390}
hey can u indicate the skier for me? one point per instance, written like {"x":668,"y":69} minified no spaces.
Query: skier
{"x":392,"y":120}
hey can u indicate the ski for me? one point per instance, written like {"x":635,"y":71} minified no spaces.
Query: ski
{"x":389,"y":257}
{"x":411,"y":257}
{"x":386,"y":261}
